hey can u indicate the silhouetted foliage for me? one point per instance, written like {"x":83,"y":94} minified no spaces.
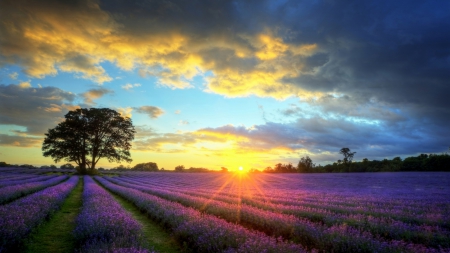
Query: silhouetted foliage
{"x":193,"y":169}
{"x":348,"y":156}
{"x":146,"y":167}
{"x":87,"y":135}
{"x":67,"y":166}
{"x":179,"y":168}
{"x":305,"y":165}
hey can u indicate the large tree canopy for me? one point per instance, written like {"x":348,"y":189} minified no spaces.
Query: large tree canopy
{"x":86,"y":135}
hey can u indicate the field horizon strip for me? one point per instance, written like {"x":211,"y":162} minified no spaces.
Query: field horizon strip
{"x":444,"y":237}
{"x":378,"y":226}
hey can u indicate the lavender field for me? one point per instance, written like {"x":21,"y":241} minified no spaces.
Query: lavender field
{"x":238,"y":212}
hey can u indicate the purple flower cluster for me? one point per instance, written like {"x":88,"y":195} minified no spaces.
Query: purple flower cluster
{"x":335,"y":222}
{"x":10,"y":193}
{"x":23,"y":179}
{"x":377,"y":223}
{"x":18,"y":218}
{"x":203,"y":232}
{"x":103,"y":225}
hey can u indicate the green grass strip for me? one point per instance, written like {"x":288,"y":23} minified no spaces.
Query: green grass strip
{"x":158,"y":239}
{"x":56,"y":234}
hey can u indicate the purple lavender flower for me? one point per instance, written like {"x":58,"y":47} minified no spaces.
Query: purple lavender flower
{"x":103,"y":225}
{"x":19,"y":217}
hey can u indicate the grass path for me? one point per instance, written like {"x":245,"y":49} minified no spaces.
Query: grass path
{"x":56,"y":234}
{"x":157,"y":238}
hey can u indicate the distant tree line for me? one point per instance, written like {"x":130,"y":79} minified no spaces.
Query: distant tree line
{"x":181,"y":168}
{"x":423,"y":162}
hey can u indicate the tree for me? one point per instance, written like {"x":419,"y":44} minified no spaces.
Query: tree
{"x":179,"y":168}
{"x":305,"y":165}
{"x":146,"y":167}
{"x":348,"y":156}
{"x":67,"y":166}
{"x":87,"y":135}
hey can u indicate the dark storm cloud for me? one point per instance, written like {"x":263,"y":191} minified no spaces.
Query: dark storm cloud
{"x":397,"y":52}
{"x":36,"y":109}
{"x":388,"y":61}
{"x":19,"y":141}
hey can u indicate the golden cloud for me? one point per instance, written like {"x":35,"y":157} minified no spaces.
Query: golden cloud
{"x":92,"y":94}
{"x":53,"y":37}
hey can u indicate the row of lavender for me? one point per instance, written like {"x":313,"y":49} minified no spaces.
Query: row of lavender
{"x":202,"y":232}
{"x":303,"y":230}
{"x":410,"y":222}
{"x":19,"y":218}
{"x":340,"y":232}
{"x":413,"y":210}
{"x":17,"y":190}
{"x":104,"y":226}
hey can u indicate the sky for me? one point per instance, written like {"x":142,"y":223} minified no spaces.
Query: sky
{"x":230,"y":83}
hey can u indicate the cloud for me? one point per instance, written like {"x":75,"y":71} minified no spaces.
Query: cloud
{"x":24,"y":85}
{"x":263,"y":49}
{"x":19,"y":141}
{"x":36,"y":109}
{"x":92,"y":94}
{"x":125,"y":112}
{"x":152,"y":111}
{"x":13,"y":75}
{"x":54,"y":36}
{"x":370,"y":66}
{"x":129,"y":86}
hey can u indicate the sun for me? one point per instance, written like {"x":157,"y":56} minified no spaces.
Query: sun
{"x":241,"y":168}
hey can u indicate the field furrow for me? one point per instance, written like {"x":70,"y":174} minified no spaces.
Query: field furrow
{"x":204,"y":233}
{"x":10,"y":193}
{"x":103,"y":225}
{"x":18,"y":218}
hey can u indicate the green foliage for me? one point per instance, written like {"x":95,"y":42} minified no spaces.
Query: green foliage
{"x":146,"y":167}
{"x":87,"y":135}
